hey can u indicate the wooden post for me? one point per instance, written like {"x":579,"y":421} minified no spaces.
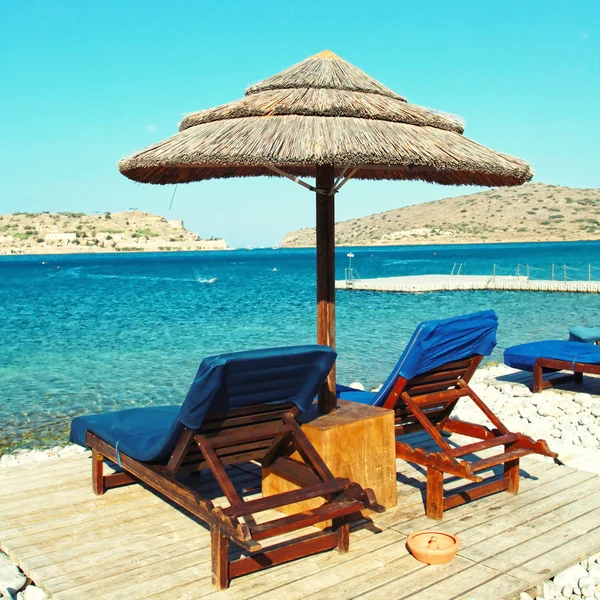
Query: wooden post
{"x":326,"y":278}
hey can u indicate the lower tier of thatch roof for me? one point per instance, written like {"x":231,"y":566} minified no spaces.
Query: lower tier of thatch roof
{"x":386,"y":150}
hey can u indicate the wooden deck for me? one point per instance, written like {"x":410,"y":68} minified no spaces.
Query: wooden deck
{"x":131,"y":544}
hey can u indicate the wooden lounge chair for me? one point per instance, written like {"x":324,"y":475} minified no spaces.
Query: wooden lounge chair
{"x":241,"y":407}
{"x":551,"y":356}
{"x":432,"y":375}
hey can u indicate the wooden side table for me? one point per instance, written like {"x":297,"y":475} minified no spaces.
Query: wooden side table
{"x":357,"y":442}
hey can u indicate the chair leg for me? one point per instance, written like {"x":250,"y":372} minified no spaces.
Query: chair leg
{"x":97,"y":473}
{"x":435,"y":493}
{"x":219,"y":555}
{"x":511,"y":472}
{"x":342,"y":528}
{"x":538,"y":384}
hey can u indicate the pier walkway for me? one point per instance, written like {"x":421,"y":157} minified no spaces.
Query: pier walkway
{"x":131,"y":544}
{"x":437,"y":283}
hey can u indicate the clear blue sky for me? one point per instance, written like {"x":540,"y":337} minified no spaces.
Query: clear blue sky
{"x":83,"y":84}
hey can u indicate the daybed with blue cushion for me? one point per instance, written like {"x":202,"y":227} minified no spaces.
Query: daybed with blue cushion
{"x":554,"y":355}
{"x":432,"y":374}
{"x":240,"y":407}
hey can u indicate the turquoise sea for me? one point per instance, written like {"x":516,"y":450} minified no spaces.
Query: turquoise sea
{"x":84,"y":333}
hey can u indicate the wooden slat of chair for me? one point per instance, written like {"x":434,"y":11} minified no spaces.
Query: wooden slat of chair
{"x":261,"y":504}
{"x":305,"y":519}
{"x":483,"y":445}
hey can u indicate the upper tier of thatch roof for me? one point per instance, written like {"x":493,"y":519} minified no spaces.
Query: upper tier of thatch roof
{"x":323,"y":111}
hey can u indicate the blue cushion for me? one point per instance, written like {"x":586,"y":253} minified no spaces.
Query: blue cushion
{"x":524,"y":356}
{"x":584,"y":334}
{"x":358,"y":396}
{"x":435,"y":343}
{"x":222,"y":383}
{"x":138,"y":431}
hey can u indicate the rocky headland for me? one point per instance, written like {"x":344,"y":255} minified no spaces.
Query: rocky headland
{"x":534,"y":212}
{"x":70,"y":233}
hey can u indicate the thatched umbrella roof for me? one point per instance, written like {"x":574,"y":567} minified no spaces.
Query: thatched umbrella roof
{"x":322,"y":111}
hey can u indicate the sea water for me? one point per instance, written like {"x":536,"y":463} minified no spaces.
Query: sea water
{"x":91,"y":333}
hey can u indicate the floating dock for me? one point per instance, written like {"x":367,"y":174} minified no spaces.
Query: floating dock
{"x":132,"y":544}
{"x":438,"y":283}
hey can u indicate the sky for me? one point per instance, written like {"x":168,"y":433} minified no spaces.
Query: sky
{"x":84,"y":84}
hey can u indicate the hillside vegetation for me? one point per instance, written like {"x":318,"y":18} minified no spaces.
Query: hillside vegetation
{"x":66,"y":232}
{"x":534,"y":212}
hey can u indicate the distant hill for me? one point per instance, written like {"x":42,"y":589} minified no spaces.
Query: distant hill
{"x":66,"y":232}
{"x":534,"y":212}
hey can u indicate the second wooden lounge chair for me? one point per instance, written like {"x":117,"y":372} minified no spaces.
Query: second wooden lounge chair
{"x":432,"y":375}
{"x":241,"y":407}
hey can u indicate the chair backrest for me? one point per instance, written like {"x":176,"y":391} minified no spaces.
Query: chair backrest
{"x":439,"y":353}
{"x":291,"y":375}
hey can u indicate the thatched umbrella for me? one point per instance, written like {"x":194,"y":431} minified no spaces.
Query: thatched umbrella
{"x":327,"y":119}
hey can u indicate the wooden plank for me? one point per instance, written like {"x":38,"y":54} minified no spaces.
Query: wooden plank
{"x":386,"y":582}
{"x":544,"y":540}
{"x":129,"y":554}
{"x":553,"y":507}
{"x":105,"y":588}
{"x":558,"y":559}
{"x":56,"y":474}
{"x":522,"y":530}
{"x":454,"y":586}
{"x":502,"y":587}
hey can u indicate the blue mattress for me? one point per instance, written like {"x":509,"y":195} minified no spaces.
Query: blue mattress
{"x":435,"y":343}
{"x":524,"y":356}
{"x":222,"y":383}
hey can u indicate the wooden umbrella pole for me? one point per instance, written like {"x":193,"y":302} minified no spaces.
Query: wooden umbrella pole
{"x":326,"y":277}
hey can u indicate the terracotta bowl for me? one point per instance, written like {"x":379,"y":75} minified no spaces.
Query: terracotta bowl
{"x":433,"y":547}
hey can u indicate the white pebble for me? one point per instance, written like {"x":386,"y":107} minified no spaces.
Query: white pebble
{"x":33,"y":592}
{"x":567,"y":590}
{"x":570,"y":576}
{"x":357,"y":385}
{"x":11,"y":579}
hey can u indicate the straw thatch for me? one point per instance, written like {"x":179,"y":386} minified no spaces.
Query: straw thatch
{"x":323,"y":111}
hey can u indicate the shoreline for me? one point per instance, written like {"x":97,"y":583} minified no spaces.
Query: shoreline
{"x":67,"y":252}
{"x":447,"y":242}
